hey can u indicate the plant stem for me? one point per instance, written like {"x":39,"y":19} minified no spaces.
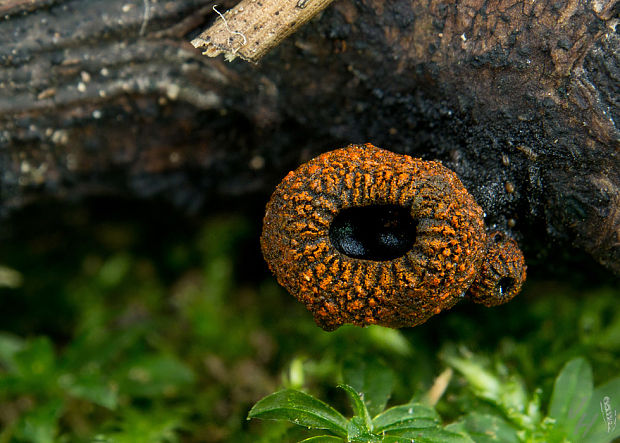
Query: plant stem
{"x":253,"y":27}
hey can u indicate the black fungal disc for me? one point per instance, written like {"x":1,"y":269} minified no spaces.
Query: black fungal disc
{"x":378,"y":232}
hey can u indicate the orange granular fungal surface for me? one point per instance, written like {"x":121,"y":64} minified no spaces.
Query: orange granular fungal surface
{"x":405,"y":291}
{"x":502,"y":273}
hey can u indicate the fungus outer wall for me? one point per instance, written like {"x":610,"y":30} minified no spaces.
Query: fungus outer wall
{"x":402,"y":287}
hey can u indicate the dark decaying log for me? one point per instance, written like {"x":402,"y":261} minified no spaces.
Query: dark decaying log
{"x":519,"y":98}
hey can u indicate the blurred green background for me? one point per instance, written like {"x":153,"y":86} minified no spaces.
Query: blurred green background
{"x":128,"y":322}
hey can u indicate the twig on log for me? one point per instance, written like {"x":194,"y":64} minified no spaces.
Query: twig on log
{"x":253,"y":28}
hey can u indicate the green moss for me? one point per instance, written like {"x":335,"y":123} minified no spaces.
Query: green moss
{"x":120,"y":331}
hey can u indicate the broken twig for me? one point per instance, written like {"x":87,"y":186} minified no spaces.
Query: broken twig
{"x":252,"y":28}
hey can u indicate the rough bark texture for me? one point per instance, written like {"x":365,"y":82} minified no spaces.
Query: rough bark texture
{"x":519,"y":98}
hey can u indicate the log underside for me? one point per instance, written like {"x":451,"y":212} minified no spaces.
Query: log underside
{"x":520,"y":99}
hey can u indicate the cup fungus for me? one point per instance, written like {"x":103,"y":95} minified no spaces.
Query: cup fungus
{"x":502,"y":272}
{"x":365,"y":236}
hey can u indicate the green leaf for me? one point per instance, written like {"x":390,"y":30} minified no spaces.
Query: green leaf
{"x":571,"y":394}
{"x":403,"y":417}
{"x":359,"y":407}
{"x":91,"y":387}
{"x":357,"y":430}
{"x":507,"y":393}
{"x":137,"y":426}
{"x":323,"y":439}
{"x":484,"y":428}
{"x":512,"y":395}
{"x":301,"y":409}
{"x":432,"y":435}
{"x":600,"y":422}
{"x":101,"y":346}
{"x":390,"y":340}
{"x":114,"y":270}
{"x":41,"y":424}
{"x":610,"y":337}
{"x":484,"y":383}
{"x":9,"y":346}
{"x":373,"y":378}
{"x":154,"y":376}
{"x":36,"y":360}
{"x":34,"y":369}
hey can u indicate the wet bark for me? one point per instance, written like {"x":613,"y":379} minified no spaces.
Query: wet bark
{"x":519,"y":98}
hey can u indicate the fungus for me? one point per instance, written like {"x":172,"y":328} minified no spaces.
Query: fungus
{"x":502,"y":272}
{"x":365,"y":236}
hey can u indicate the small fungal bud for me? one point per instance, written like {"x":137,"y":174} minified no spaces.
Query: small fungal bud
{"x":365,"y":236}
{"x":502,"y":272}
